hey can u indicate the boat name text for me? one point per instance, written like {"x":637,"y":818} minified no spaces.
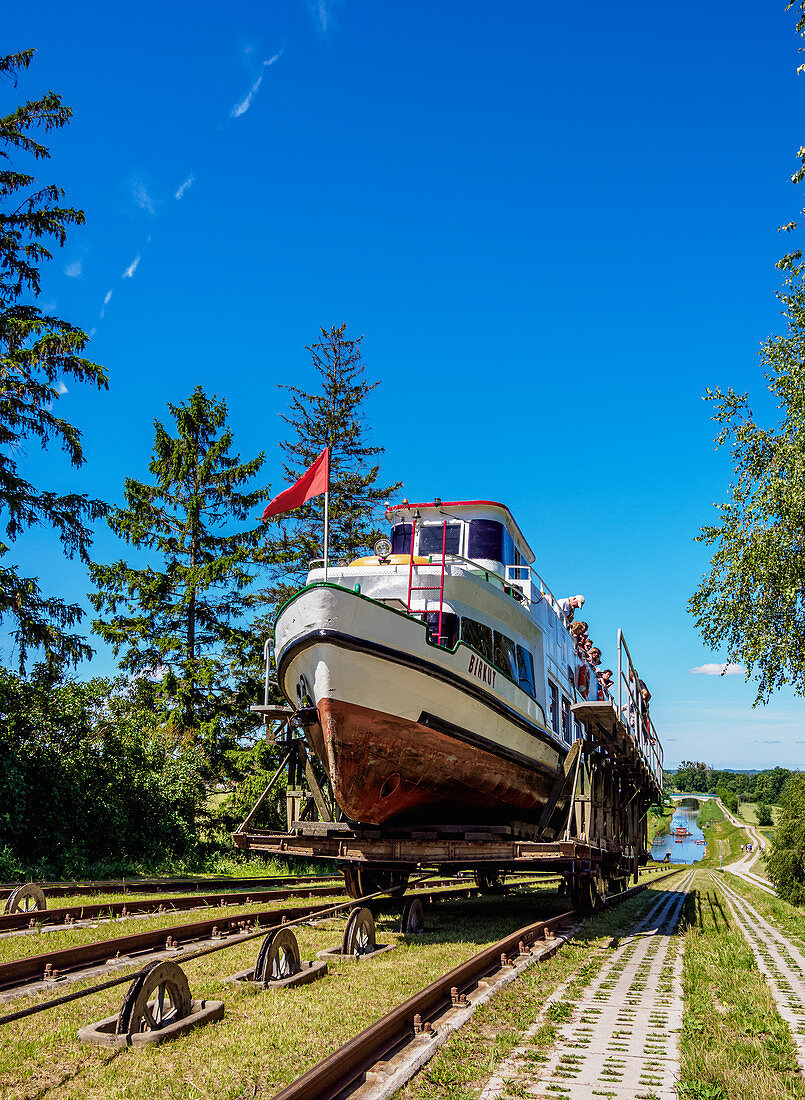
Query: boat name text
{"x":482,"y":670}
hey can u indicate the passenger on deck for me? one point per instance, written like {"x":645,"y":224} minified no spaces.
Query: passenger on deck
{"x":568,"y":606}
{"x":595,"y":656}
{"x":605,"y":682}
{"x":579,"y":632}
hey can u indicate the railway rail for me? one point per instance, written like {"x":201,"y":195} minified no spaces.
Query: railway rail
{"x":18,"y":974}
{"x":354,"y":1062}
{"x":339,"y":1072}
{"x":167,"y":885}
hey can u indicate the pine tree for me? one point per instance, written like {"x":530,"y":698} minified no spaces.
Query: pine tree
{"x":333,"y":415}
{"x":179,"y":618}
{"x":38,"y":353}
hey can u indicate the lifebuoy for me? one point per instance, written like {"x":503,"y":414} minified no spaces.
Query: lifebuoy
{"x":583,"y":680}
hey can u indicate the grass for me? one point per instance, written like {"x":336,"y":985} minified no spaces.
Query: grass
{"x":731,"y":838}
{"x":709,"y":812}
{"x":657,"y":824}
{"x":747,"y":811}
{"x":789,"y":918}
{"x":734,"y":1044}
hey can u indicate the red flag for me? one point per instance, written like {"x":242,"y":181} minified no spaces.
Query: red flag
{"x":312,"y":483}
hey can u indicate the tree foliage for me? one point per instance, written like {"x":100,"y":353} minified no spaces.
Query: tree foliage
{"x":785,"y":863}
{"x":764,"y":814}
{"x":38,"y":354}
{"x":88,"y":776}
{"x":179,"y":617}
{"x":751,"y":601}
{"x":333,"y":414}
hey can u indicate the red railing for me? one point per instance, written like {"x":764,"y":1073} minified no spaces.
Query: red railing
{"x":427,"y":587}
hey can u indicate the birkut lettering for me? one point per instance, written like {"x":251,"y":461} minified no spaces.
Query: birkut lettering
{"x":482,"y":670}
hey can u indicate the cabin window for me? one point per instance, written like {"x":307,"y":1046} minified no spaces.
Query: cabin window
{"x":525,"y":671}
{"x":401,"y":538}
{"x":505,"y":657}
{"x":567,"y":719}
{"x":486,"y":540}
{"x":554,"y":693}
{"x":478,"y":636}
{"x":449,"y":635}
{"x":431,"y":535}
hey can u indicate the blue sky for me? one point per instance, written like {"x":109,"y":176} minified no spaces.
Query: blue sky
{"x":555,"y":226}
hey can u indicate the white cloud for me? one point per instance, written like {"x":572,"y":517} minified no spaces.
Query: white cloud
{"x":180,"y":190}
{"x":60,"y":387}
{"x":242,"y":107}
{"x":108,"y":298}
{"x":322,"y":11}
{"x":143,"y":199}
{"x":715,"y":669}
{"x":73,"y":270}
{"x":129,"y":272}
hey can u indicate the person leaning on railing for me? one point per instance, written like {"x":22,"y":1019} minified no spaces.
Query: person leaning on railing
{"x":568,"y":606}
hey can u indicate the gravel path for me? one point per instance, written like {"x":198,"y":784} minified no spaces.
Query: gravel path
{"x":621,"y":1037}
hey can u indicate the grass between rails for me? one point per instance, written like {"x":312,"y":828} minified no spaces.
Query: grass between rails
{"x":462,"y":1067}
{"x":789,"y":918}
{"x":266,"y":1039}
{"x":734,"y":1044}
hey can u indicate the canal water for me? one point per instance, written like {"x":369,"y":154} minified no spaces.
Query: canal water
{"x":682,"y":851}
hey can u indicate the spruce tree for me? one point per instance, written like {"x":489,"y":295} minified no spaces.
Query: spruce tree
{"x":39,"y":354}
{"x":179,"y":617}
{"x":331,"y":415}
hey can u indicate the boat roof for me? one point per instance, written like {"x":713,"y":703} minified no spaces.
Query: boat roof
{"x":451,"y":505}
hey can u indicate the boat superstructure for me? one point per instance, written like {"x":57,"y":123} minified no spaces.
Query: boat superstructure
{"x":437,"y":681}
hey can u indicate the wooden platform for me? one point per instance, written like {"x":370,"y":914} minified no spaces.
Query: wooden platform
{"x":455,"y":846}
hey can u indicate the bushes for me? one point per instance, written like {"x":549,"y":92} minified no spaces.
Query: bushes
{"x":88,"y":777}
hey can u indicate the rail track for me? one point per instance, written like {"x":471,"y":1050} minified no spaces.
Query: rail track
{"x":338,"y":1074}
{"x":35,"y":971}
{"x":491,"y":967}
{"x":167,"y":885}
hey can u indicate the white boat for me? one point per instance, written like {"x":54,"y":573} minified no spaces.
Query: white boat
{"x":436,"y":679}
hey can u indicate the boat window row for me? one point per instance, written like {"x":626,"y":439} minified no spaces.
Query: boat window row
{"x":498,"y":650}
{"x":563,"y":723}
{"x":488,"y":540}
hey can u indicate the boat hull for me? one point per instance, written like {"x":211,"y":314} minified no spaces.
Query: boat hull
{"x":384,"y":767}
{"x":404,"y":731}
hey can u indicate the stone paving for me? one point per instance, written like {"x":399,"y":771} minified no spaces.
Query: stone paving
{"x":778,"y":959}
{"x":621,"y":1037}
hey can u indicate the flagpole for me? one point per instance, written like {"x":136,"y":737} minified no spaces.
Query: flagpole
{"x":326,"y":526}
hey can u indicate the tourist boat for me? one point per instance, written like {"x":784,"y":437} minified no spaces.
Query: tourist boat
{"x":435,"y":678}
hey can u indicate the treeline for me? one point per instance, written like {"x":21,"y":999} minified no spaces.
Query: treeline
{"x":763,"y":786}
{"x":153,"y":766}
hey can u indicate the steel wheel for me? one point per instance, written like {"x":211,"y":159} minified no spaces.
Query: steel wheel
{"x":172,"y":1002}
{"x":278,"y":957}
{"x":361,"y":880}
{"x":490,"y":882}
{"x":26,"y":899}
{"x":359,"y":934}
{"x":412,"y":921}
